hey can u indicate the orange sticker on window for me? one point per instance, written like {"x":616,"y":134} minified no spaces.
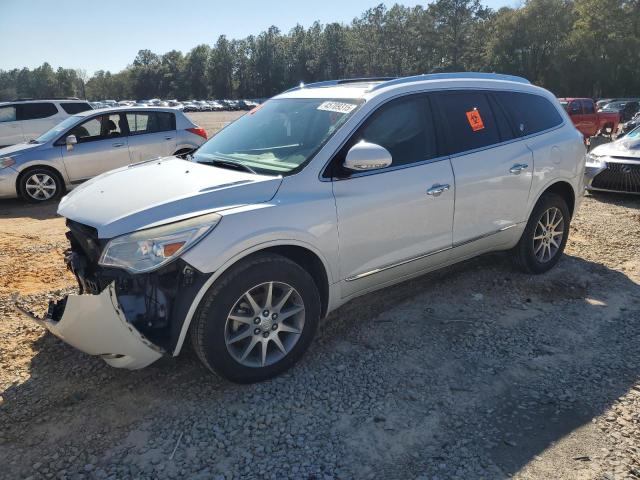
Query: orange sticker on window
{"x":475,"y":120}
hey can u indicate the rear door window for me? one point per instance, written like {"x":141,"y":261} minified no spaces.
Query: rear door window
{"x":8,"y":114}
{"x":470,"y":120}
{"x":36,"y":110}
{"x":528,"y":112}
{"x":75,"y":107}
{"x":150,"y":122}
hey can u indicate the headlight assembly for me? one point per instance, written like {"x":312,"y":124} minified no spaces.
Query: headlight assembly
{"x":595,"y":160}
{"x":149,"y":249}
{"x":6,"y":162}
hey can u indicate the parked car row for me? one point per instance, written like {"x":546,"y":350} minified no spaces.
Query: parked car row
{"x":186,"y":105}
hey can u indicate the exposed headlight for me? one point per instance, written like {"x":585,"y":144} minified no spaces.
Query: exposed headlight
{"x":595,"y":160}
{"x":152,"y":248}
{"x":6,"y":162}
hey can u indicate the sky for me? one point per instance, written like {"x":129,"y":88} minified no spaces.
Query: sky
{"x":96,"y":35}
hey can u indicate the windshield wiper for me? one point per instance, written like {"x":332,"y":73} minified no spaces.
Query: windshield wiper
{"x":233,"y":165}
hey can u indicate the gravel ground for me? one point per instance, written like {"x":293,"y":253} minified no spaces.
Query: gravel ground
{"x":475,"y":371}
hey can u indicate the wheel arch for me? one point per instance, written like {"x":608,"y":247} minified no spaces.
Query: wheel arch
{"x":34,"y":166}
{"x":297,"y":252}
{"x":563,"y":189}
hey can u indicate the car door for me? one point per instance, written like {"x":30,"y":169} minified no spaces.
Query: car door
{"x":395,"y":221}
{"x":575,"y":112}
{"x":151,"y":134}
{"x":493,"y":171}
{"x":10,"y":128}
{"x":102,"y":146}
{"x":590,"y":117}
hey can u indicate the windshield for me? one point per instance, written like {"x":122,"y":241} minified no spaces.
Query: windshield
{"x":280,"y":135}
{"x":614,"y":106}
{"x":635,"y":133}
{"x":58,"y":129}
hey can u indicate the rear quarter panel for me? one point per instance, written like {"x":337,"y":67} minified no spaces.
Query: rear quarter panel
{"x":559,"y":155}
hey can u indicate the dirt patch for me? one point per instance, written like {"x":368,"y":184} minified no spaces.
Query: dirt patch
{"x":475,"y":371}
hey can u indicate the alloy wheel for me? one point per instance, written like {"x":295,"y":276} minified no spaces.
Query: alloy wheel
{"x":41,"y":186}
{"x":548,"y":234}
{"x":264,"y":324}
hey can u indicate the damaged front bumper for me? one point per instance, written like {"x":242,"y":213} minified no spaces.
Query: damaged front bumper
{"x":130,"y":320}
{"x":95,"y":324}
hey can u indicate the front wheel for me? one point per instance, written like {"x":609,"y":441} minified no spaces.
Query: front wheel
{"x":545,"y":236}
{"x":257,"y":320}
{"x":39,"y":185}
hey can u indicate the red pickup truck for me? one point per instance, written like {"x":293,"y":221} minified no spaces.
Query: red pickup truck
{"x":586,"y":119}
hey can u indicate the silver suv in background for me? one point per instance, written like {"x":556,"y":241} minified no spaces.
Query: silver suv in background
{"x":90,"y":143}
{"x":324,"y":193}
{"x":22,"y":120}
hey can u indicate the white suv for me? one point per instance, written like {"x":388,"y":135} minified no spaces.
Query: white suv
{"x":23,"y":120}
{"x":324,"y":193}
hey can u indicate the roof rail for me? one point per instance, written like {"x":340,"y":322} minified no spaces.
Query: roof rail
{"x":333,"y":83}
{"x":29,"y":99}
{"x":454,"y":75}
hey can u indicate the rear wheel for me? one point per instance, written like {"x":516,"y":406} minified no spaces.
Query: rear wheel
{"x":257,"y":320}
{"x":40,"y":184}
{"x":545,"y":236}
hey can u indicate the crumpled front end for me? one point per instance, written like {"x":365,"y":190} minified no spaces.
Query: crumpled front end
{"x":130,"y":320}
{"x":95,"y":324}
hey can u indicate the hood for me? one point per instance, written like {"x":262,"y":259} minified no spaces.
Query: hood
{"x":625,"y":147}
{"x":161,"y":191}
{"x":18,"y":149}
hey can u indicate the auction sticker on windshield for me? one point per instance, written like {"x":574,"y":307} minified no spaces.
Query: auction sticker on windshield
{"x":338,"y":107}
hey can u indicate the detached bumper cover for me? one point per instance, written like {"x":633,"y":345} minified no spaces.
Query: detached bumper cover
{"x":96,"y":325}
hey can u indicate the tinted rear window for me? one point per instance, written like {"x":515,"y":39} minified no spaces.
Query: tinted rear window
{"x":33,"y":111}
{"x":470,"y":119}
{"x":166,"y":121}
{"x":150,"y":122}
{"x":529,"y":113}
{"x":73,"y":108}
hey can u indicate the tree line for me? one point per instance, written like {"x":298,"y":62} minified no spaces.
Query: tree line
{"x":572,"y":47}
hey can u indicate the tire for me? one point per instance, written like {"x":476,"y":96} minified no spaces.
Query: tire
{"x":40,"y":184}
{"x":527,"y":253}
{"x":214,"y":332}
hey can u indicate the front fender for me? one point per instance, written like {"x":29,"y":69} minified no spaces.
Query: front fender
{"x":229,"y":262}
{"x":55,"y":164}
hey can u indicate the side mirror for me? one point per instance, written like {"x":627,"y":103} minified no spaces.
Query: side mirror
{"x":71,"y":140}
{"x":364,"y":156}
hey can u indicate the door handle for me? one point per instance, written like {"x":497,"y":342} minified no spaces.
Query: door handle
{"x":117,"y":145}
{"x":437,"y":189}
{"x":518,"y":167}
{"x":168,"y":138}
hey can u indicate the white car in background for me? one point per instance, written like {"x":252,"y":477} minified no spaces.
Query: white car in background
{"x":23,"y":120}
{"x":91,"y":143}
{"x":615,"y":166}
{"x":324,"y":193}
